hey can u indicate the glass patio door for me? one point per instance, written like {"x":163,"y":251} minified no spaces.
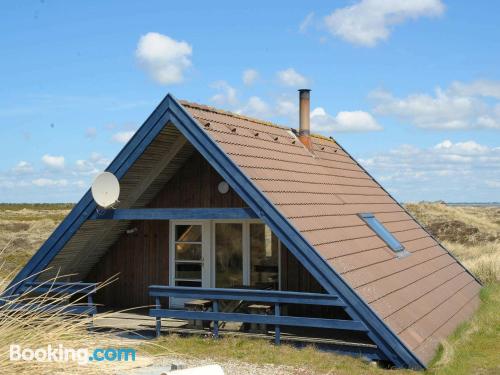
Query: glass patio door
{"x":246,"y":254}
{"x":229,"y":255}
{"x":190,"y":256}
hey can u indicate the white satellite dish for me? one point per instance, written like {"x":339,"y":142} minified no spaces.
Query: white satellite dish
{"x":106,"y":189}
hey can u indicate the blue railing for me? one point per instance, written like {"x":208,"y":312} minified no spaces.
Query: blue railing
{"x":276,"y":298}
{"x":56,"y":290}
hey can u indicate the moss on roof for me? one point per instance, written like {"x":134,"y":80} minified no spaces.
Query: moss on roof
{"x":207,"y":108}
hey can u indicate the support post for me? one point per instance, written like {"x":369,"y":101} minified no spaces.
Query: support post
{"x":215,"y":309}
{"x":277,"y":328}
{"x":158,"y":319}
{"x":90,"y":304}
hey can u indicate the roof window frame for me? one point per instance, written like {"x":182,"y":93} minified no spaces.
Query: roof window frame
{"x":383,"y":233}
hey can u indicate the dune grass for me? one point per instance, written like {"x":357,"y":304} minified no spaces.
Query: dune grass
{"x":483,"y":260}
{"x":23,"y":228}
{"x":472,"y":349}
{"x":472,"y":234}
{"x":32,"y":327}
{"x":486,"y":219}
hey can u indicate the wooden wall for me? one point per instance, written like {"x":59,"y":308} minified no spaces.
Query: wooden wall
{"x":294,"y":277}
{"x":141,"y":258}
{"x":195,"y":185}
{"x":138,"y":259}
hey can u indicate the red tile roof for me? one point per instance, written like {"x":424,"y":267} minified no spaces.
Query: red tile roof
{"x":422,"y":297}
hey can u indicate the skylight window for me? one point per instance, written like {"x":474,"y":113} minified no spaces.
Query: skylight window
{"x":382,"y":232}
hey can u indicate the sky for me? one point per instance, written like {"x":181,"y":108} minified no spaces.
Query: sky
{"x":410,"y":88}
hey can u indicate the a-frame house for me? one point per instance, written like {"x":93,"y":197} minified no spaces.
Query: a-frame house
{"x":212,"y":200}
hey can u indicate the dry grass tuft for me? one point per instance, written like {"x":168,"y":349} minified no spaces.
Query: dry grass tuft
{"x":472,"y":234}
{"x":483,"y":260}
{"x":24,"y":228}
{"x":31,"y":327}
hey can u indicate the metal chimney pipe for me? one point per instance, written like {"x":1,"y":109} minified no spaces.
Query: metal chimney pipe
{"x":304,"y":115}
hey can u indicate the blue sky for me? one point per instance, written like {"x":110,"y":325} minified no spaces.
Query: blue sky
{"x":411,"y":89}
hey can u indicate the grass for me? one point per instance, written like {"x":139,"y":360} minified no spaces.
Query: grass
{"x":472,"y":234}
{"x":483,"y":260}
{"x":473,"y":349}
{"x":257,"y":352}
{"x":463,"y":224}
{"x":37,"y":329}
{"x":23,"y":228}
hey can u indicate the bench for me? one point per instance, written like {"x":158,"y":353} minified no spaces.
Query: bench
{"x":259,"y":309}
{"x":198,"y":305}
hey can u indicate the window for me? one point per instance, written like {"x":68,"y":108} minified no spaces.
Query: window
{"x":228,"y":255}
{"x":244,"y":254}
{"x":188,"y":255}
{"x":264,"y":257}
{"x":382,"y":232}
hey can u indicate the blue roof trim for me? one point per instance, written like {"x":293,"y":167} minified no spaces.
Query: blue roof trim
{"x":175,"y":214}
{"x":170,"y":110}
{"x":86,"y":206}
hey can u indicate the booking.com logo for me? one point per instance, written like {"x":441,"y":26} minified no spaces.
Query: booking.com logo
{"x":61,"y":354}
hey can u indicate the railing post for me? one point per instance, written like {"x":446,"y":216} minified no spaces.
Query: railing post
{"x":90,"y":304}
{"x":277,"y":328}
{"x":215,"y":309}
{"x":158,"y":319}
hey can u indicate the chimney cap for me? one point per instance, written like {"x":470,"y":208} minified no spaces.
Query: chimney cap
{"x":304,"y":93}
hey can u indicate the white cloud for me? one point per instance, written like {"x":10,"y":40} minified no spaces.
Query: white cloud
{"x":461,"y":106}
{"x":462,"y":148}
{"x":288,"y":107}
{"x":306,"y":22}
{"x":80,"y":184}
{"x":164,"y":58}
{"x":493,"y":183}
{"x":55,"y":183}
{"x":226,"y":96}
{"x":99,"y":160}
{"x":23,"y":167}
{"x":48,"y":182}
{"x":370,"y":21}
{"x":85,"y":167}
{"x":479,"y":87}
{"x":91,"y":133}
{"x":250,"y":76}
{"x":455,"y":171}
{"x":290,"y":77}
{"x":53,"y":162}
{"x":123,"y":136}
{"x":94,"y":164}
{"x":344,"y":121}
{"x":255,"y":107}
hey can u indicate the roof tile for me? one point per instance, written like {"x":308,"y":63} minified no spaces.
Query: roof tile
{"x":322,"y":193}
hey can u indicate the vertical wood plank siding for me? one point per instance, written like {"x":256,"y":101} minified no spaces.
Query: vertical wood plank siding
{"x":141,"y":259}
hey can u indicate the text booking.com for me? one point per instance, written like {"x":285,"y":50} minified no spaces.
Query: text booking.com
{"x":59,"y":353}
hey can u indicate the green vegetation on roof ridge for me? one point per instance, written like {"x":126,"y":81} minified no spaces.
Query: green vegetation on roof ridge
{"x":205,"y":107}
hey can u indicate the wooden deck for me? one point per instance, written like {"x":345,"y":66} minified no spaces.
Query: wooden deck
{"x":139,"y":325}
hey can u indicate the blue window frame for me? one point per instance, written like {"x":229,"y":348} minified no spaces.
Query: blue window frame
{"x":382,"y":232}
